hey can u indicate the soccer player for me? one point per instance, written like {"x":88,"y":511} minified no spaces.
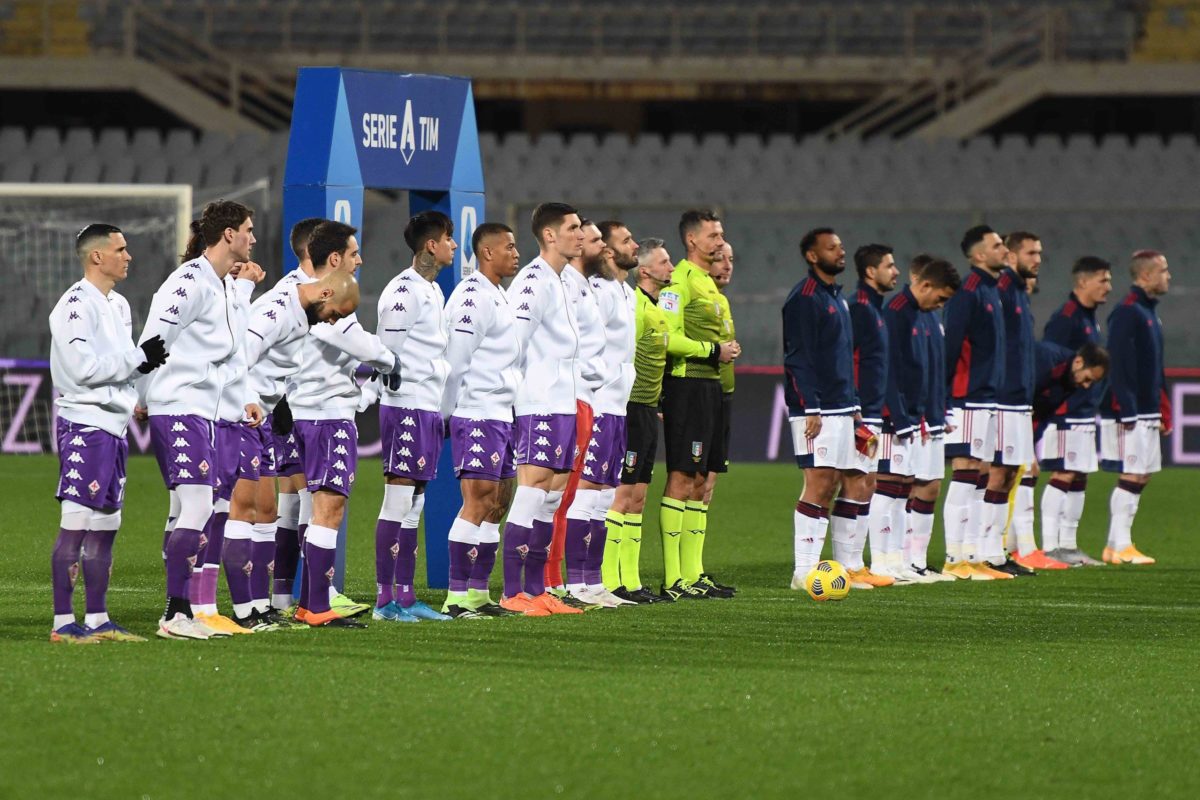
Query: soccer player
{"x":651,"y":334}
{"x":323,"y":401}
{"x":869,"y":504}
{"x":482,"y":353}
{"x":572,"y":522}
{"x":974,"y":357}
{"x":93,"y":363}
{"x":818,"y":363}
{"x":1062,"y":373}
{"x":718,"y":461}
{"x":1014,"y":410}
{"x":691,"y":400}
{"x":411,"y":428}
{"x":1135,"y":412}
{"x":1069,"y":438}
{"x":191,"y":313}
{"x":545,"y":408}
{"x":915,"y":400}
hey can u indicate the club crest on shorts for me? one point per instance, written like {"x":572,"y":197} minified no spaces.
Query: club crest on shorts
{"x":1008,"y":451}
{"x":558,"y":451}
{"x":977,"y":443}
{"x":495,"y":459}
{"x":630,"y":459}
{"x":421,"y":462}
{"x":93,"y":487}
{"x":1072,"y":455}
{"x":822,"y":451}
{"x":203,"y":466}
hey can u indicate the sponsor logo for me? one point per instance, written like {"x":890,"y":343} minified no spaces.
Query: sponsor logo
{"x":78,"y":442}
{"x":180,"y":441}
{"x":542,"y":426}
{"x":73,"y":474}
{"x":182,"y":458}
{"x":468,"y":303}
{"x":476,"y":448}
{"x":475,"y":462}
{"x":404,"y":467}
{"x":177,"y":427}
{"x":336,"y":480}
{"x":542,"y":441}
{"x":271,"y":315}
{"x":72,"y":491}
{"x":185,"y":475}
{"x":669,"y":301}
{"x":408,"y":421}
{"x":73,"y":315}
{"x":541,"y":456}
{"x":74,"y":299}
{"x":75,"y":458}
{"x":180,"y":292}
{"x":476,"y":433}
{"x":339,"y":465}
{"x":405,"y":452}
{"x":465,"y":320}
{"x":340,"y":450}
{"x":587,"y":471}
{"x":341,"y":434}
{"x":399,"y":307}
{"x":173,"y":310}
{"x":406,"y":437}
{"x":590,"y":456}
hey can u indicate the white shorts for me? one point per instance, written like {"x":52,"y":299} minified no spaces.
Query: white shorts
{"x":1068,"y":447}
{"x":974,"y":434}
{"x":928,"y":459}
{"x":832,"y":447}
{"x":895,"y":454}
{"x":1014,"y":438}
{"x":1135,"y":452}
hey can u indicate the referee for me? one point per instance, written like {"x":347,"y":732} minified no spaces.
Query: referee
{"x":692,"y":419}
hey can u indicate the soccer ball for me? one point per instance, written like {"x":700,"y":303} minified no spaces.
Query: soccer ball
{"x":827,"y":581}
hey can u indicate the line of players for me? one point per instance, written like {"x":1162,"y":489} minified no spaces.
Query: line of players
{"x":882,"y":393}
{"x":552,"y":385}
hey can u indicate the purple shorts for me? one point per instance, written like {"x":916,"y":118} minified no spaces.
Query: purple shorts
{"x":330,"y":450}
{"x":288,"y":461}
{"x":262,"y":438}
{"x":602,"y":464}
{"x":91,"y":465}
{"x":546,"y":440}
{"x":186,"y":450}
{"x":238,"y":457}
{"x":482,"y":449}
{"x":411,"y":442}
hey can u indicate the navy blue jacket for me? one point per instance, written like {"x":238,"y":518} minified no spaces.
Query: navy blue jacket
{"x":908,"y":363}
{"x":1072,"y":326}
{"x":935,"y":378}
{"x":1136,"y":387}
{"x":1016,"y":390}
{"x":818,"y":350}
{"x":974,"y":326}
{"x":870,"y":352}
{"x":1054,"y":384}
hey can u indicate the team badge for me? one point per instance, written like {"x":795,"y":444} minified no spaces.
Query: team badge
{"x":977,"y":443}
{"x":630,"y":459}
{"x":394,"y":549}
{"x":558,"y":451}
{"x":495,"y":459}
{"x":1072,"y":455}
{"x":203,"y":466}
{"x":421,"y":462}
{"x":473,"y":554}
{"x":93,"y":487}
{"x":248,"y":568}
{"x":1008,"y":451}
{"x":822,"y":451}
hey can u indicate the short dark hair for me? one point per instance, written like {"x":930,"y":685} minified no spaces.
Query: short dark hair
{"x":870,"y":255}
{"x":1017,"y":238}
{"x":85,"y":240}
{"x":327,"y":238}
{"x":1089,"y":265}
{"x":485,"y":230}
{"x":425,"y":227}
{"x":809,"y":240}
{"x":549,"y":215}
{"x":608,"y":227}
{"x":941,"y":273}
{"x":972,"y":237}
{"x":918,"y":263}
{"x":1093,"y":355}
{"x":301,"y":232}
{"x":691,"y":220}
{"x":1141,"y":259}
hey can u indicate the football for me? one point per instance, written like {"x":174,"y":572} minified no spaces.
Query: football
{"x":827,"y":581}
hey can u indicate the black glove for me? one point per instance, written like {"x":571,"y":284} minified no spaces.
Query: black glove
{"x":281,"y":418}
{"x":714,"y":358}
{"x":156,"y":355}
{"x":389,"y":379}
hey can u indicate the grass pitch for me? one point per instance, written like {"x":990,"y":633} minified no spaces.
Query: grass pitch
{"x":1080,"y":683}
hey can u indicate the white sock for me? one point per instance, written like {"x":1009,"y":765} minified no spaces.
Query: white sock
{"x":922,"y":531}
{"x":1023,"y":521}
{"x":1122,"y":506}
{"x":957,"y":518}
{"x":242,"y":609}
{"x":582,"y":504}
{"x":1053,"y":499}
{"x":527,"y":501}
{"x":1072,"y":512}
{"x":897,"y":524}
{"x":397,"y":502}
{"x":463,"y":531}
{"x":992,"y":541}
{"x":843,"y":525}
{"x":808,"y":541}
{"x":973,"y":543}
{"x":94,"y":620}
{"x":63,"y":619}
{"x":879,"y":528}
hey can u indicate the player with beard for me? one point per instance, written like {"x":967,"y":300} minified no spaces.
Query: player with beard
{"x":691,"y":399}
{"x":651,"y":335}
{"x":823,"y":409}
{"x":974,"y":358}
{"x":1069,"y":439}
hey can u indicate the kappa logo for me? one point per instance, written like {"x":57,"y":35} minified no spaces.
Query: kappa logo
{"x":180,"y":442}
{"x":475,"y":462}
{"x":404,"y":467}
{"x":294,"y":454}
{"x":177,"y":427}
{"x":587,"y":471}
{"x":399,"y":307}
{"x":74,"y":315}
{"x":341,"y":434}
{"x":630,"y":459}
{"x":75,"y":458}
{"x":405,"y":452}
{"x":406,"y":437}
{"x":73,"y":474}
{"x":182,"y":458}
{"x":527,"y":290}
{"x":402,"y":289}
{"x":271,"y":315}
{"x":542,"y":441}
{"x":590,"y":456}
{"x":541,"y":456}
{"x":184,"y":475}
{"x":173,"y":310}
{"x":340,"y":450}
{"x":476,"y":448}
{"x":180,"y":292}
{"x":74,"y":299}
{"x":523,"y":307}
{"x":78,"y":442}
{"x":187,"y":276}
{"x":466,"y":320}
{"x":339,"y":465}
{"x":595,"y":429}
{"x":336,"y":480}
{"x":542,"y":426}
{"x":476,"y":433}
{"x":72,"y":491}
{"x":468,"y":303}
{"x":203,"y":465}
{"x":495,"y":459}
{"x":408,"y":421}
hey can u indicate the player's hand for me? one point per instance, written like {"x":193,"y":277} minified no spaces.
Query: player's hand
{"x":248,"y":271}
{"x":156,"y":354}
{"x":812,"y":426}
{"x":254,"y":414}
{"x":737,"y":348}
{"x":1166,"y":430}
{"x":950,"y":428}
{"x":281,"y":418}
{"x":140,"y":413}
{"x":726,"y":352}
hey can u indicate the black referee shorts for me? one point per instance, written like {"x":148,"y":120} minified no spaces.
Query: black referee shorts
{"x":691,"y":422}
{"x":641,"y":443}
{"x":718,"y":460}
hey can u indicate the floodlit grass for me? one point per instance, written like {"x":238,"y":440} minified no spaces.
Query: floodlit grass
{"x":1068,"y":684}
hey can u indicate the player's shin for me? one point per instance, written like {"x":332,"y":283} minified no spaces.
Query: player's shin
{"x":397,"y":502}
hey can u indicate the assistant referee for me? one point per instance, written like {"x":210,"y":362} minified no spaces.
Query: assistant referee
{"x":692,"y":417}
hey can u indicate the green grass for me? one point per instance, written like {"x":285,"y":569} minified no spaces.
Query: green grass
{"x":1080,"y":683}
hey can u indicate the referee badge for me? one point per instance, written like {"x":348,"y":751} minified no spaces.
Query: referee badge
{"x":697,"y":450}
{"x":630,"y":459}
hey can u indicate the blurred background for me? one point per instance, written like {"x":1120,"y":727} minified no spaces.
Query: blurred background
{"x":892,"y":121}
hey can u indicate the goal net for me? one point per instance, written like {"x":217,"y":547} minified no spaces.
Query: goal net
{"x":38,"y":224}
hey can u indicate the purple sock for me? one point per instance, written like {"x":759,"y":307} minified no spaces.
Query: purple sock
{"x":167,"y":535}
{"x":182,"y":550}
{"x":97,"y":567}
{"x":238,"y":566}
{"x":303,"y":572}
{"x":516,"y":548}
{"x":216,"y":540}
{"x":481,"y":569}
{"x":406,"y":567}
{"x":387,"y":549}
{"x":595,"y":554}
{"x":462,"y":560}
{"x":64,"y":568}
{"x":261,"y":554}
{"x":579,"y":532}
{"x":539,"y":551}
{"x":287,"y":555}
{"x":318,"y":565}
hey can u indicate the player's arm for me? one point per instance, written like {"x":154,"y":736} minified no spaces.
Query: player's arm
{"x":1060,"y":330}
{"x":1123,"y":347}
{"x":349,"y":336}
{"x":803,"y":348}
{"x":906,"y":374}
{"x":397,"y":316}
{"x":672,"y":300}
{"x":592,"y":367}
{"x":464,"y":334}
{"x":955,"y":322}
{"x":175,"y":305}
{"x":525,"y":294}
{"x":74,"y":332}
